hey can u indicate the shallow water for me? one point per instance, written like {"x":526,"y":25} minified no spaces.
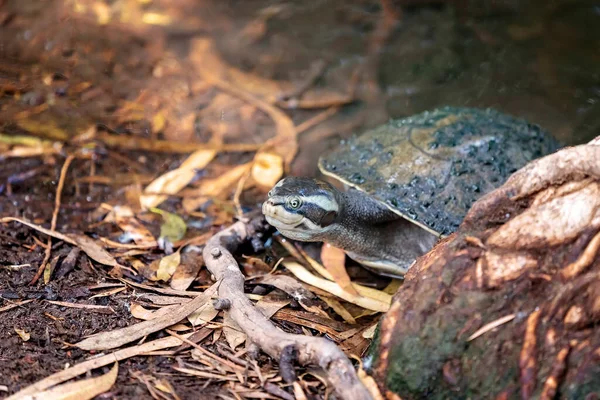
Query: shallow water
{"x":536,"y":59}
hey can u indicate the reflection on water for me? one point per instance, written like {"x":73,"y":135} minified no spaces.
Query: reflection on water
{"x":536,"y":59}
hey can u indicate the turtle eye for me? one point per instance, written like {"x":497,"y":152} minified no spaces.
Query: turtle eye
{"x":294,"y":202}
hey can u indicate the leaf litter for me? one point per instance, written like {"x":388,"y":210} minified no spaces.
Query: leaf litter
{"x":158,"y":275}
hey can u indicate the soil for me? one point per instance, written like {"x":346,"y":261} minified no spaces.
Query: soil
{"x":63,"y":70}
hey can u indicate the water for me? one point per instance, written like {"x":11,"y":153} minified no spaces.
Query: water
{"x":535,"y":59}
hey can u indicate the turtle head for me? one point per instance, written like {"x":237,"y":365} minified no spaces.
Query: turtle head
{"x":302,"y":208}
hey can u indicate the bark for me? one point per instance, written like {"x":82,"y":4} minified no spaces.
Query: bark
{"x":509,"y":306}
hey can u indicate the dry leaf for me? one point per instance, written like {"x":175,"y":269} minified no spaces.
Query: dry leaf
{"x":24,"y":335}
{"x":267,"y":169}
{"x":270,"y":304}
{"x":334,"y":261}
{"x":97,"y":362}
{"x":167,"y":266}
{"x":369,"y":332}
{"x":366,"y":302}
{"x":188,"y":269}
{"x":173,"y":181}
{"x":119,"y":337}
{"x":233,"y":333}
{"x":339,"y":309}
{"x":81,"y":390}
{"x":173,"y":227}
{"x":204,"y":314}
{"x":210,"y":188}
{"x":133,"y":229}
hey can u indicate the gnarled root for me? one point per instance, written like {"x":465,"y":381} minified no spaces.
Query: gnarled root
{"x":260,"y":330}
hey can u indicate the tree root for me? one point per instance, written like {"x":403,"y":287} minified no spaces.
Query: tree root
{"x":260,"y":330}
{"x":573,"y":163}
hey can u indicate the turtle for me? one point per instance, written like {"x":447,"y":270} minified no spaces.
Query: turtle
{"x":408,"y":183}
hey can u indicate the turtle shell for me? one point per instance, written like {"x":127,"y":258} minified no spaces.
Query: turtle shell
{"x":430,"y":168}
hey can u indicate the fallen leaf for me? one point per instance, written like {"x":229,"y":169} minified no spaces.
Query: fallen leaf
{"x":339,"y":309}
{"x":270,"y":304}
{"x":369,"y":333}
{"x":375,"y":304}
{"x":167,"y":266}
{"x":233,"y":333}
{"x":334,"y":261}
{"x":203,"y":315}
{"x":81,"y":390}
{"x":93,"y":363}
{"x":173,"y":181}
{"x":267,"y":169}
{"x":119,"y":337}
{"x":189,"y":267}
{"x":133,"y":229}
{"x":24,"y":335}
{"x":173,"y":227}
{"x":211,"y":188}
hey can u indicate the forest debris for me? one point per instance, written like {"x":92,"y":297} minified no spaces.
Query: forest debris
{"x":204,"y":55}
{"x":109,"y":292}
{"x":267,"y":169}
{"x":203,"y":314}
{"x":285,"y":142}
{"x":215,"y":187}
{"x":124,"y":218}
{"x":25,"y":336}
{"x":167,"y":266}
{"x":16,"y":304}
{"x":82,"y":306}
{"x":271,"y":303}
{"x":175,"y":180}
{"x":84,"y":389}
{"x":339,"y":309}
{"x":119,"y":337}
{"x":527,"y":359}
{"x":362,"y":290}
{"x":334,"y":261}
{"x":188,"y":270}
{"x":260,"y":331}
{"x":232,"y":331}
{"x":57,"y":199}
{"x":137,"y":143}
{"x":369,"y":303}
{"x":173,"y":227}
{"x":491,"y":325}
{"x":88,"y":245}
{"x":94,"y":363}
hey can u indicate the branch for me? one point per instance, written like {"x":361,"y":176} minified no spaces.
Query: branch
{"x":260,"y":330}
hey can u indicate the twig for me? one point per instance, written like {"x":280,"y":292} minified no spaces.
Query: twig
{"x":57,"y":199}
{"x":260,"y":330}
{"x":119,"y":337}
{"x":491,"y":325}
